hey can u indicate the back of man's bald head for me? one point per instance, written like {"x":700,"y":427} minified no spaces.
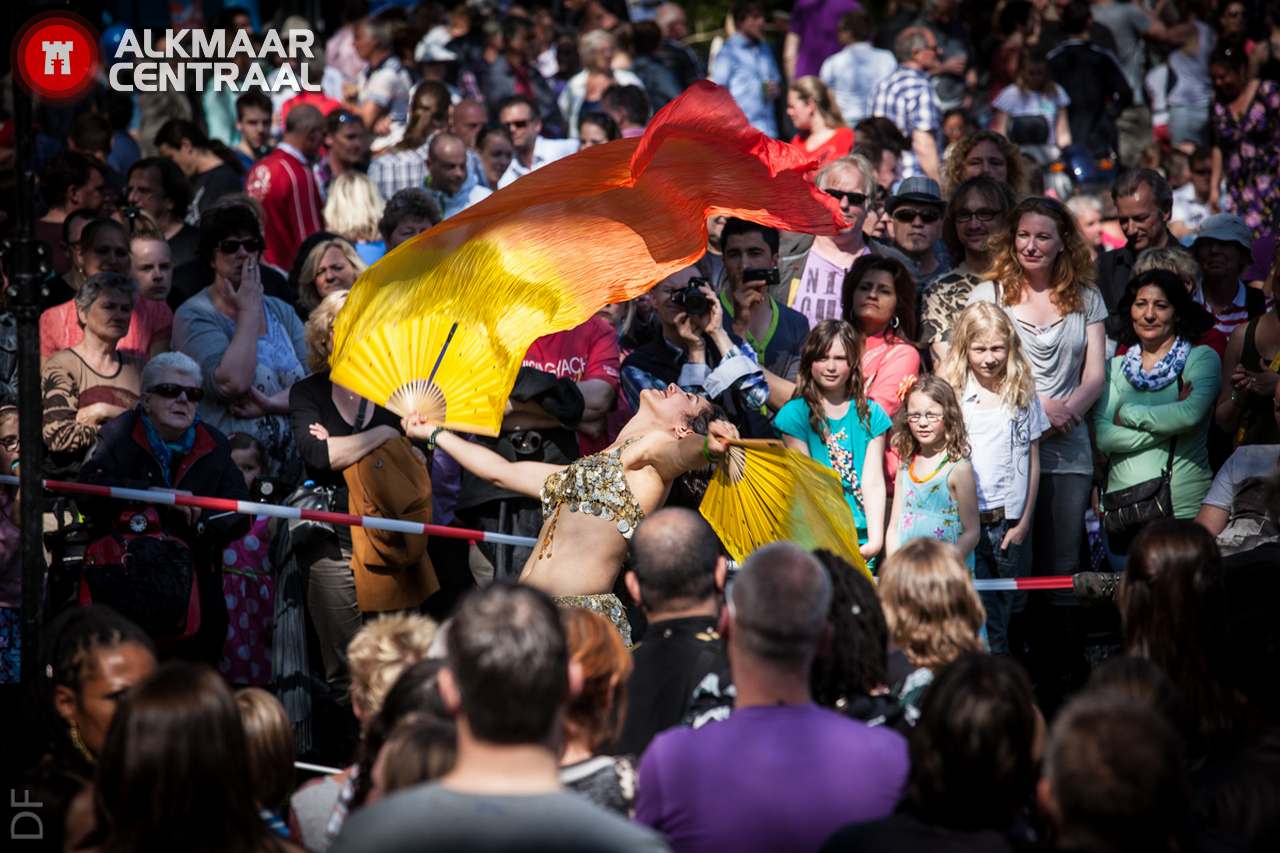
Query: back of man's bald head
{"x":303,"y":118}
{"x":780,"y":600}
{"x":674,"y":554}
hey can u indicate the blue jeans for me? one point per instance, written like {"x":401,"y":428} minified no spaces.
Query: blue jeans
{"x":991,"y":562}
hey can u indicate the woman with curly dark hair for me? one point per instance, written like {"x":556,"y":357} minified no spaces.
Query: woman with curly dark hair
{"x":1153,"y":417}
{"x":878,"y":299}
{"x":984,"y":152}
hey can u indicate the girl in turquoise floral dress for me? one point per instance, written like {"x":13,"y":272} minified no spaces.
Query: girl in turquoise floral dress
{"x":831,"y":420}
{"x":936,"y":495}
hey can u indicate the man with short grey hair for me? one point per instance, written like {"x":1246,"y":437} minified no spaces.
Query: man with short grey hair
{"x":906,"y":98}
{"x":780,"y":773}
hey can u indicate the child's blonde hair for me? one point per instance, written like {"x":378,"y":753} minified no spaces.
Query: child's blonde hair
{"x":379,"y":652}
{"x":983,"y":318}
{"x":932,"y":610}
{"x":937,"y":389}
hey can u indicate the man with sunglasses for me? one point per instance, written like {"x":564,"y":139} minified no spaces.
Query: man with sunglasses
{"x":519,"y":115}
{"x":916,"y":224}
{"x":812,"y":273}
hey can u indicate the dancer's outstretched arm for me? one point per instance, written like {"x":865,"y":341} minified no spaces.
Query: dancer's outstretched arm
{"x":523,"y":478}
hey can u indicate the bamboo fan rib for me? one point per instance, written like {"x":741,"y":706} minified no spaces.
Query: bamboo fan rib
{"x":763,"y":492}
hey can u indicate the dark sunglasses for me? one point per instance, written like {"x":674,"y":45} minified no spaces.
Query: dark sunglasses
{"x":517,"y":125}
{"x":911,"y":215}
{"x":170,"y":391}
{"x":985,"y":214}
{"x":854,"y":199}
{"x":10,"y":442}
{"x":250,"y":245}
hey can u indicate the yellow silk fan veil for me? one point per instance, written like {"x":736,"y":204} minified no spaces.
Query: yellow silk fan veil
{"x":762,"y":492}
{"x":439,"y":325}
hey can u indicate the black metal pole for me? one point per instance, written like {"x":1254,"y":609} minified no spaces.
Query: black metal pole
{"x":26,"y":274}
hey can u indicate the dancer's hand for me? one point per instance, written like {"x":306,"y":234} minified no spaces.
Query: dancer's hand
{"x":417,"y":426}
{"x":719,"y":434}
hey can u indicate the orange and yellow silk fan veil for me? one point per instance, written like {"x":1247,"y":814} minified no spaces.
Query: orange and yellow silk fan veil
{"x":762,"y":492}
{"x":439,"y":326}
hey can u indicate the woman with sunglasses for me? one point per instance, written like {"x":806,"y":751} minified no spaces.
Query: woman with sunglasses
{"x":976,"y":212}
{"x":250,"y":347}
{"x":161,"y":444}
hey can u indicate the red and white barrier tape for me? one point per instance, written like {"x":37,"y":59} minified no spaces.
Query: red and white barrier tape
{"x":396,"y":525}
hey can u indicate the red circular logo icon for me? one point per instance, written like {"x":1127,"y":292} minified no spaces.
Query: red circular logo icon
{"x":56,"y":56}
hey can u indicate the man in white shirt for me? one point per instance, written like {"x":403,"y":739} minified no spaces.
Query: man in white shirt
{"x":853,"y":74}
{"x":447,"y":175}
{"x":520,"y":117}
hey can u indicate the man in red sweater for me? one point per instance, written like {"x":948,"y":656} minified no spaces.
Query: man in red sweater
{"x":284,"y":185}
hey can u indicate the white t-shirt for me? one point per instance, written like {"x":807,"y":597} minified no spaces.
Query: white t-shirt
{"x":1000,"y":450}
{"x":1249,"y":460}
{"x":1187,"y":209}
{"x":1015,"y":102}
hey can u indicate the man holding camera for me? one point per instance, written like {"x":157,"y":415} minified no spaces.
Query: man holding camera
{"x":775,"y":332}
{"x":694,"y":351}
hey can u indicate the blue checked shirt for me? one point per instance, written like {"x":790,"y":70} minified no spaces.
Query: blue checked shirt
{"x":738,"y":371}
{"x":744,"y":67}
{"x":907,"y":99}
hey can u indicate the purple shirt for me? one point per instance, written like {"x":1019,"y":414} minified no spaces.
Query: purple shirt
{"x":769,"y":778}
{"x":815,"y":21}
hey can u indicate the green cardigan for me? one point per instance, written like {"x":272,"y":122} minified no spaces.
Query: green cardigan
{"x":1139,"y":445}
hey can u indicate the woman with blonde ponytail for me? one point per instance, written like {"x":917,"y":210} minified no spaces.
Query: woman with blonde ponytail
{"x":820,"y":127}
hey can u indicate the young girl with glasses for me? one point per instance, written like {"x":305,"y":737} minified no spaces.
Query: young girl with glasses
{"x":831,"y":419}
{"x":935,"y":495}
{"x":1004,"y":421}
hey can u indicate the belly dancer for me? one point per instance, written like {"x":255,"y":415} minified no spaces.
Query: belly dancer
{"x":592,"y":506}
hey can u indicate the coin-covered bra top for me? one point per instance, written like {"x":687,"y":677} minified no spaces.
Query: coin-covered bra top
{"x":593,"y":485}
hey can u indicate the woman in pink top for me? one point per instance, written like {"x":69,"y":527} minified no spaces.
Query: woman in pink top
{"x":820,"y":128}
{"x":104,"y":247}
{"x":879,"y":299}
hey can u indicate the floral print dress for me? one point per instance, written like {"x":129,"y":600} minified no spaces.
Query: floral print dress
{"x":928,"y":509}
{"x":1251,"y":158}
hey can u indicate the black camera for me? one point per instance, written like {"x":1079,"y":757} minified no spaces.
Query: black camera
{"x":691,"y":298}
{"x":768,"y":276}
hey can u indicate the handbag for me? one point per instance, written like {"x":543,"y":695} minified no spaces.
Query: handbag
{"x":145,"y":574}
{"x":1126,"y":511}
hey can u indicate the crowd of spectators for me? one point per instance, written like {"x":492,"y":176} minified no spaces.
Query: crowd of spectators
{"x":1045,"y":342}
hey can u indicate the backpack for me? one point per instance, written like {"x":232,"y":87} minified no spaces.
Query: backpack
{"x":145,"y":574}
